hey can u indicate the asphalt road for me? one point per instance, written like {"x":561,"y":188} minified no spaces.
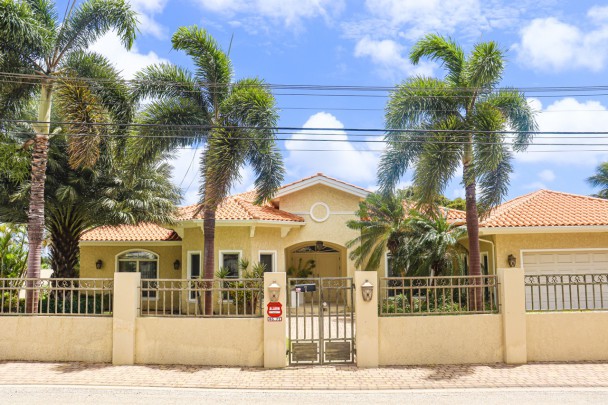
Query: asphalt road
{"x":119,"y":395}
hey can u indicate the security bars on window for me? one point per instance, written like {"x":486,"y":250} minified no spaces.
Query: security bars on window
{"x":453,"y":295}
{"x":232,"y":297}
{"x":57,"y":296}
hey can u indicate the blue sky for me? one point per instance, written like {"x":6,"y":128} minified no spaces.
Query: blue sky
{"x":338,"y":42}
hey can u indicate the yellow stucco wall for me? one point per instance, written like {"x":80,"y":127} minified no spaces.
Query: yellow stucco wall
{"x":107,"y":253}
{"x":266,"y":237}
{"x":212,"y":342}
{"x":567,"y":336}
{"x":56,"y":338}
{"x":513,"y":244}
{"x":466,"y":339}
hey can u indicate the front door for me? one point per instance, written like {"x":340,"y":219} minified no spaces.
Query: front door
{"x":321,"y":327}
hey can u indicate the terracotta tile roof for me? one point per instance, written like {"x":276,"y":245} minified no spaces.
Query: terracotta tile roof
{"x":241,"y":207}
{"x":128,"y":233}
{"x":456,"y":216}
{"x":327,"y":177}
{"x":549,"y":208}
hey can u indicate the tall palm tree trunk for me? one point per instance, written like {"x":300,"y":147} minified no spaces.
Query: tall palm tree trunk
{"x":475,"y":293}
{"x":208,"y":255}
{"x":35,"y":225}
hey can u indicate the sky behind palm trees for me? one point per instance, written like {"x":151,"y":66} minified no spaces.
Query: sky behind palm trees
{"x":550,"y":43}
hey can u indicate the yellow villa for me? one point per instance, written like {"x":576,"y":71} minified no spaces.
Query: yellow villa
{"x":541,"y":231}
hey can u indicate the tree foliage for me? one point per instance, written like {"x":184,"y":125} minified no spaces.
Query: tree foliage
{"x":456,"y":122}
{"x":13,"y":250}
{"x":600,"y":180}
{"x":235,"y":121}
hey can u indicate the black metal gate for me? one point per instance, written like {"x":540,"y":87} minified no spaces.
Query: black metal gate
{"x":321,"y":325}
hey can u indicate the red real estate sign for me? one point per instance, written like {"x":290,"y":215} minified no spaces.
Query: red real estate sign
{"x":274,"y":309}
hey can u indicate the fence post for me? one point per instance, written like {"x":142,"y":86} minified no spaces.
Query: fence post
{"x":366,"y":321}
{"x":275,"y":336}
{"x":126,"y":307}
{"x":513,"y":309}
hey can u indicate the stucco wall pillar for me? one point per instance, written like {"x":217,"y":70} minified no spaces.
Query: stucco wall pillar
{"x":366,"y":321}
{"x":275,"y":337}
{"x":126,"y":307}
{"x":513,"y":310}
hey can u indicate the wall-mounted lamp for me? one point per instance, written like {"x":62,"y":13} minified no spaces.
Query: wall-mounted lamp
{"x":176,"y":264}
{"x":511,"y":260}
{"x":98,"y":264}
{"x":273,"y":291}
{"x":367,"y":290}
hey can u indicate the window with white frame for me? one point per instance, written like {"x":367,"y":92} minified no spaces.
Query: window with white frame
{"x":194,"y":269}
{"x":140,"y":261}
{"x":267,"y":259}
{"x":230,"y":262}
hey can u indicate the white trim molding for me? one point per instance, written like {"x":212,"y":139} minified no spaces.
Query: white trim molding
{"x":221,"y":254}
{"x":128,"y":243}
{"x":274,"y":254}
{"x":320,"y":179}
{"x":319,"y":204}
{"x":542,"y":229}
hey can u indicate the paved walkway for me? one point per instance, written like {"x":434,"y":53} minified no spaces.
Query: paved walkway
{"x":315,"y":378}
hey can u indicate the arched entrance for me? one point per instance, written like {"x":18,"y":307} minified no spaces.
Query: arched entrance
{"x":315,"y":259}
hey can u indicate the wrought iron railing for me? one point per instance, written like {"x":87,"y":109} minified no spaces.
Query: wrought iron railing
{"x":451,"y":295}
{"x":242,"y":297}
{"x":567,"y":292}
{"x":56,"y":296}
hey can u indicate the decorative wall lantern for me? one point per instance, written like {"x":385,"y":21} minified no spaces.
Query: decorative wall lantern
{"x":367,"y":290}
{"x":273,"y":291}
{"x":511,"y":260}
{"x":176,"y":264}
{"x":98,"y":264}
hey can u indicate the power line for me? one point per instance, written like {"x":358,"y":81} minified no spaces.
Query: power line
{"x":316,"y":87}
{"x":173,"y":127}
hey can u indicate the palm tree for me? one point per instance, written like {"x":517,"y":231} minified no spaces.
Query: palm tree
{"x":600,"y":180}
{"x":383,"y":228}
{"x":234,"y":120}
{"x":34,"y":43}
{"x":433,"y":247}
{"x":452,"y":122}
{"x":113,"y":192}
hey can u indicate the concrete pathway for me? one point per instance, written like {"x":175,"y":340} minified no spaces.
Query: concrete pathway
{"x":540,"y":375}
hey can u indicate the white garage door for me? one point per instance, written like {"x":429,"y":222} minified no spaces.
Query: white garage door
{"x":562,"y":280}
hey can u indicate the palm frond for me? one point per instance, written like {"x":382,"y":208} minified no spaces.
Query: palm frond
{"x":91,"y":20}
{"x":484,"y":68}
{"x":165,"y":80}
{"x":213,"y":67}
{"x":600,"y":179}
{"x":445,"y":50}
{"x":518,"y":114}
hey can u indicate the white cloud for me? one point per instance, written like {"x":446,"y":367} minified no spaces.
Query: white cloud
{"x":146,"y":10}
{"x":568,"y":115}
{"x":290,"y":12}
{"x":548,"y":44}
{"x":129,"y":62}
{"x":598,"y":14}
{"x":388,"y":56}
{"x":419,"y":17}
{"x":345,"y":161}
{"x":546,"y":175}
{"x":537,"y":185}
